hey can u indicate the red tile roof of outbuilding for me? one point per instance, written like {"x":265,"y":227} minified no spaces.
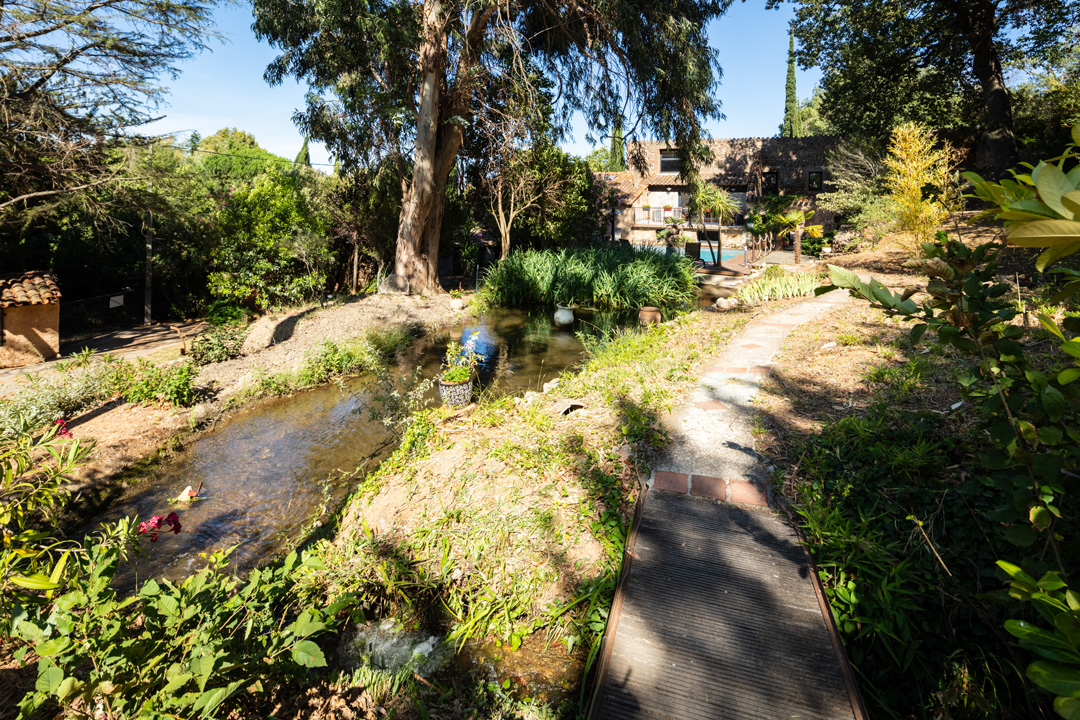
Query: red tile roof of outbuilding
{"x":29,"y":288}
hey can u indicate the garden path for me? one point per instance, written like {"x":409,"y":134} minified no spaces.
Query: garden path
{"x":718,"y":612}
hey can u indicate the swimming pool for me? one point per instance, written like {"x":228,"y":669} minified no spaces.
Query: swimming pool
{"x":706,"y":254}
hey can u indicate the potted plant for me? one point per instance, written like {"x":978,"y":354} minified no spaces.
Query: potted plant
{"x":456,"y":377}
{"x":457,"y":299}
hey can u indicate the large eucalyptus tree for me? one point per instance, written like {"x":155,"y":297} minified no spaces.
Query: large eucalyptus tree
{"x":404,"y":78}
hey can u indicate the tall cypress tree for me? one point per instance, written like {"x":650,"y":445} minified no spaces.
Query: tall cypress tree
{"x":790,"y":127}
{"x":617,"y":155}
{"x":304,"y":156}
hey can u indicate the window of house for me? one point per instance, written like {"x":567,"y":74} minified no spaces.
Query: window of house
{"x":770,"y":183}
{"x":669,"y":161}
{"x":816,"y":180}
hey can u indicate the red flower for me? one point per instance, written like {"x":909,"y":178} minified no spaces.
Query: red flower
{"x":64,"y":432}
{"x":156,"y":521}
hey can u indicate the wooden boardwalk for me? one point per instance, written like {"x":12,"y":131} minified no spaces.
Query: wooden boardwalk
{"x":717,"y":617}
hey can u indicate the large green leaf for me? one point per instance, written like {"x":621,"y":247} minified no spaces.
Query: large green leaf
{"x":1051,"y":183}
{"x":37,"y":581}
{"x":1043,"y":642}
{"x":1068,"y":375}
{"x":1053,"y":403}
{"x":1058,"y":679}
{"x":215,"y":696}
{"x":1071,"y":201}
{"x":1044,"y":233}
{"x":49,"y":677}
{"x":306,"y":625}
{"x":1067,"y":707}
{"x":308,"y":654}
{"x":1054,"y":253}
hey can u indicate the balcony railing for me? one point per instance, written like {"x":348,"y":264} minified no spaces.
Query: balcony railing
{"x":658,"y":216}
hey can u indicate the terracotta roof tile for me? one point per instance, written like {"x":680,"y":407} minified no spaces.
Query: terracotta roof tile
{"x":30,"y":288}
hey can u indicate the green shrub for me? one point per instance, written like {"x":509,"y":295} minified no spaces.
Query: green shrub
{"x":367,"y":353}
{"x":778,"y":284}
{"x":218,"y":344}
{"x":171,"y":384}
{"x":223,"y":312}
{"x":33,"y":475}
{"x":813,"y":245}
{"x":600,"y":277}
{"x":172,"y":650}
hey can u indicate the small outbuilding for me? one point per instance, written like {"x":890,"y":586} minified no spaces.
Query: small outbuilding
{"x":29,"y":319}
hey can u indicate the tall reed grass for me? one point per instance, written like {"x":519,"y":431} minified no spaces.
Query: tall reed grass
{"x":601,"y":277}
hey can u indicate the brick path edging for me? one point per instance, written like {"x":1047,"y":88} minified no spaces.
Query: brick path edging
{"x":731,"y":490}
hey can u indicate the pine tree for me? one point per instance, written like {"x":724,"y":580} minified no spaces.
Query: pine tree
{"x":304,"y":156}
{"x":790,"y":127}
{"x":618,"y":150}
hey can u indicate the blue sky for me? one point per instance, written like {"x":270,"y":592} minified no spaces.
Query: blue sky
{"x":224,"y":86}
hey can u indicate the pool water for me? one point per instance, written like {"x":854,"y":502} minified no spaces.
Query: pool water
{"x":707,"y":255}
{"x":726,"y":254}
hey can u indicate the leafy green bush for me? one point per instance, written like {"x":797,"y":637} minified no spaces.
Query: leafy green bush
{"x":171,"y":384}
{"x":33,"y":473}
{"x":218,"y":344}
{"x":222,"y":312}
{"x":778,"y":284}
{"x":1025,"y":409}
{"x":600,"y":277}
{"x":171,"y":650}
{"x":364,"y":354}
{"x":813,"y":245}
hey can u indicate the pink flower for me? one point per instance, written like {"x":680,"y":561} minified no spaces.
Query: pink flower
{"x":156,"y":521}
{"x":63,"y":431}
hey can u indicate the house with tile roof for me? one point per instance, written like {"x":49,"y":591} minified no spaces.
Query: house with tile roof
{"x":748,"y":168}
{"x":29,"y":319}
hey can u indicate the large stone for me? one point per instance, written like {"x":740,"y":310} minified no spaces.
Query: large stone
{"x":394,"y":285}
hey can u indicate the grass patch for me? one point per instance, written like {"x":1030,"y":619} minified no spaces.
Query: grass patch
{"x":600,"y":277}
{"x":330,"y":359}
{"x":887,"y":485}
{"x":87,"y":381}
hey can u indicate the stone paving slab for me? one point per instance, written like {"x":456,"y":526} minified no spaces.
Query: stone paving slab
{"x":712,"y":433}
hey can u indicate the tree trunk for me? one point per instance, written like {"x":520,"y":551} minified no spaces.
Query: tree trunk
{"x":411,"y":259}
{"x":437,"y":145}
{"x":355,"y":264}
{"x":978,"y":25}
{"x":798,"y":245}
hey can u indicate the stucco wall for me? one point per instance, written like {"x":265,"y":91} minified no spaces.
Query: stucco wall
{"x":31,"y":334}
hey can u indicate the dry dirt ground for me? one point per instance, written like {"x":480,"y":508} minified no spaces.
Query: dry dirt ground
{"x":857,"y":356}
{"x":126,"y":433}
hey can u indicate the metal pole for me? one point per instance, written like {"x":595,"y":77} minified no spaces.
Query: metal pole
{"x":149,"y":238}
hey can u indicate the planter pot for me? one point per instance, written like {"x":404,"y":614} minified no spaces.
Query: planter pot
{"x":455,"y":395}
{"x":649,"y":316}
{"x":564,"y":316}
{"x":456,"y":303}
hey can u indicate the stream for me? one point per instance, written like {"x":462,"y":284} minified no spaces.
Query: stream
{"x":272,"y":469}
